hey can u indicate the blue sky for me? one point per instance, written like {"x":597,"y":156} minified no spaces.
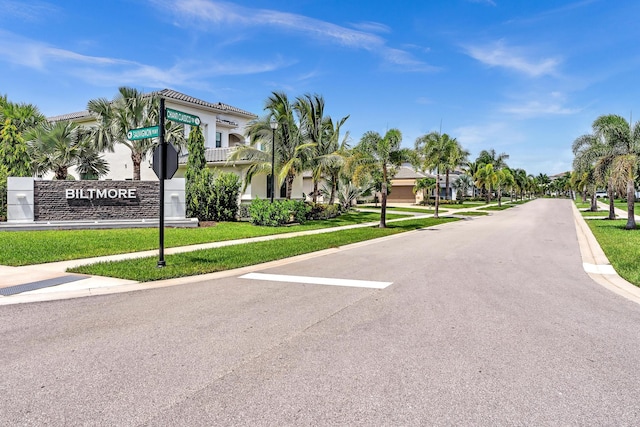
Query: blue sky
{"x":521,"y":77}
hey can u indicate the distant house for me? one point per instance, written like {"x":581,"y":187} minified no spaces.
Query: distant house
{"x":223,"y":127}
{"x":402,"y":186}
{"x":405,"y":179}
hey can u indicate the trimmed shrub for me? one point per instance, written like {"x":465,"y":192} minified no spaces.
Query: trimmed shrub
{"x":280,"y":212}
{"x":322,"y":211}
{"x":226,"y":189}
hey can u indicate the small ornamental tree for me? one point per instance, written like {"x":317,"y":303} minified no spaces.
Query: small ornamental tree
{"x":198,"y":177}
{"x":3,"y":192}
{"x":209,"y":197}
{"x":14,"y":151}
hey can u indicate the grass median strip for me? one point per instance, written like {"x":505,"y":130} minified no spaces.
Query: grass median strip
{"x":38,"y":247}
{"x":622,"y":247}
{"x":229,"y":257}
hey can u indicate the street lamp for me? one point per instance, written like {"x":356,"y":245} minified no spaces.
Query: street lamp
{"x":274,"y":126}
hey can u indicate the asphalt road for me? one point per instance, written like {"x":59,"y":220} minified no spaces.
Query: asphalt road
{"x":490,"y":321}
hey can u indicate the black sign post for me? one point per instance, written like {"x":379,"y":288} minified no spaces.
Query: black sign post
{"x":161,"y":176}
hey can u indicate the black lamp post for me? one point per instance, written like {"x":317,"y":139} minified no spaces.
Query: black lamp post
{"x":274,"y":126}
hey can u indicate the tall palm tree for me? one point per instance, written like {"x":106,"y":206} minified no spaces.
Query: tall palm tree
{"x":130,"y":109}
{"x":622,"y":142}
{"x":487,"y":178}
{"x":587,"y":150}
{"x":457,"y":158}
{"x":319,"y":130}
{"x":433,"y":152}
{"x":291,"y":152}
{"x":520,"y":177}
{"x":333,"y":163}
{"x":376,"y":153}
{"x":490,"y":157}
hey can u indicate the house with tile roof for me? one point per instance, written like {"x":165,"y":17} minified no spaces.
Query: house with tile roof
{"x":223,"y":127}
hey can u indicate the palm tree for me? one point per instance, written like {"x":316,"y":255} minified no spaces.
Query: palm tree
{"x":457,"y":158}
{"x":490,"y":157}
{"x":520,"y":177}
{"x":320,"y":131}
{"x":622,"y":142}
{"x":55,"y":147}
{"x":426,"y":186}
{"x":130,"y":109}
{"x":543,"y":182}
{"x":486,"y":178}
{"x":334,"y":163}
{"x":504,"y":180}
{"x":291,"y":152}
{"x":375,"y":153}
{"x":23,"y":116}
{"x":433,"y":152}
{"x":587,"y":150}
{"x":463,"y":184}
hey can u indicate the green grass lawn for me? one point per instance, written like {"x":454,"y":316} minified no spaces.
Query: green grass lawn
{"x":623,"y":205}
{"x":219,"y":259}
{"x":622,"y":247}
{"x":424,"y":210}
{"x":497,"y":208}
{"x":472,"y":213}
{"x":37,"y":247}
{"x":587,"y":214}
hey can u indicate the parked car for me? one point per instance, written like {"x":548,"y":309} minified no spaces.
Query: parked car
{"x":600,"y":194}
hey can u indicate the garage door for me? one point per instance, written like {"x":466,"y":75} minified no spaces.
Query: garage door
{"x":402,"y":194}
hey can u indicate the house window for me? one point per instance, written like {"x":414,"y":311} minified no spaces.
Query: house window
{"x":218,"y":139}
{"x":283,"y":188}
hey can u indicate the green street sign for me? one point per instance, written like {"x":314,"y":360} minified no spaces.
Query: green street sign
{"x":143,"y":133}
{"x":182,"y":117}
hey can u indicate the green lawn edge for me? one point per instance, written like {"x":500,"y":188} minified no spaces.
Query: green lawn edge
{"x":242,"y":255}
{"x":19,"y":248}
{"x":622,"y":247}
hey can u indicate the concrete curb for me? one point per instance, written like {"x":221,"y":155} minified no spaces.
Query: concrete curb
{"x":596,"y":264}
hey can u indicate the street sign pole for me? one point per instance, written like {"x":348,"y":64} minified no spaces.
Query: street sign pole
{"x":163,"y":156}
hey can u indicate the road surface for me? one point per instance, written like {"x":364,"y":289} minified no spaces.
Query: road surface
{"x":490,"y":321}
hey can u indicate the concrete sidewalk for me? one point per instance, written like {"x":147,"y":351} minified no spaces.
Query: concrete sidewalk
{"x":74,"y":285}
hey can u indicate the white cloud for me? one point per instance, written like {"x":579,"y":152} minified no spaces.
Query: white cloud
{"x":493,"y":134}
{"x":553,"y":104}
{"x":27,"y":11}
{"x":374,"y":27}
{"x":17,"y":50}
{"x":213,"y":14}
{"x":498,"y":54}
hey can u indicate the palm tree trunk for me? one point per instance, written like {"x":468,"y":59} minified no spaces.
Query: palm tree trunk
{"x":289,"y":183}
{"x":612,"y":208}
{"x":631,"y":215}
{"x":383,"y":202}
{"x":446,"y":186}
{"x":435,"y":215}
{"x":315,"y":191}
{"x":136,"y":158}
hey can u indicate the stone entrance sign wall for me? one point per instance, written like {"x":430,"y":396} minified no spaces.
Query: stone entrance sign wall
{"x":38,"y":200}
